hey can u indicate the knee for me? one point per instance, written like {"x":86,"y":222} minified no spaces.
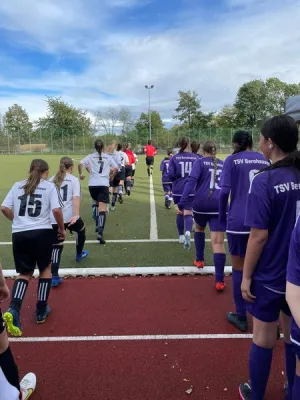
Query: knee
{"x":199,"y":228}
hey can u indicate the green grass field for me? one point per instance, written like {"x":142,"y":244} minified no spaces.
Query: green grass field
{"x":130,"y":221}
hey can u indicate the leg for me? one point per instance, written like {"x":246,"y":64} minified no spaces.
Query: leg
{"x":290,"y":356}
{"x":114,"y":197}
{"x":217,"y":241}
{"x":188,"y":222}
{"x":101,"y":221}
{"x":43,"y":292}
{"x":296,"y":387}
{"x":79,"y":228}
{"x":56,"y":258}
{"x":200,"y":245}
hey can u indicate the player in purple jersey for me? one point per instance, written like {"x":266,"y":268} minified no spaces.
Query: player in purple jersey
{"x":205,"y":178}
{"x":180,"y":168}
{"x":165,"y":180}
{"x":272,"y":204}
{"x":195,"y":147}
{"x":238,"y":171}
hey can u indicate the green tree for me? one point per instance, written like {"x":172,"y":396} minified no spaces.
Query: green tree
{"x":188,"y":107}
{"x":142,"y":126}
{"x":113,"y":120}
{"x":16,"y":124}
{"x":227,"y":117}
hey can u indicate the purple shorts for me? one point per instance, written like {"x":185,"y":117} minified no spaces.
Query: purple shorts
{"x":167,"y":187}
{"x":211,"y":219}
{"x":295,"y":338}
{"x":237,"y":244}
{"x":268,"y":304}
{"x":188,"y":204}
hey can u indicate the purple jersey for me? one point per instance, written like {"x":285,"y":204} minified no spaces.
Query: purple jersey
{"x":293,"y":266}
{"x":273,"y":203}
{"x":206,"y":180}
{"x":164,"y":167}
{"x":238,"y":171}
{"x":180,"y":168}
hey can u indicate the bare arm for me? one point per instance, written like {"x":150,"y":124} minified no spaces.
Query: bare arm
{"x":58,"y":215}
{"x":7,"y":212}
{"x":76,"y":206}
{"x":293,"y":299}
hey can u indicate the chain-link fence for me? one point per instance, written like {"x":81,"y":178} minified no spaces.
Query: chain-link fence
{"x":63,"y":142}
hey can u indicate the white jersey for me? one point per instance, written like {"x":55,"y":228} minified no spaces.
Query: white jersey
{"x":33,"y":211}
{"x":124,"y":158}
{"x":99,"y":169}
{"x":69,"y":189}
{"x":117,"y":158}
{"x":136,"y":161}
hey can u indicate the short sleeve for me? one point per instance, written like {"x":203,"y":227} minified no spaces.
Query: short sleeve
{"x":293,"y":266}
{"x":258,"y":209}
{"x":112,"y":163}
{"x":85,"y":162}
{"x":197,"y":170}
{"x":8,"y":201}
{"x":76,"y":188}
{"x":55,"y":199}
{"x":226,"y":173}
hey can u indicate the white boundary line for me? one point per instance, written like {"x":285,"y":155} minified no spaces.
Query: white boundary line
{"x":119,"y":241}
{"x":128,"y":338}
{"x":153,"y":219}
{"x":129,"y":271}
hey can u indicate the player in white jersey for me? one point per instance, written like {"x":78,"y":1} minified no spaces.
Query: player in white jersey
{"x":102,"y":168}
{"x":29,"y":205}
{"x":114,"y":183}
{"x":133,"y":169}
{"x":124,"y":162}
{"x":10,"y":386}
{"x":69,"y":188}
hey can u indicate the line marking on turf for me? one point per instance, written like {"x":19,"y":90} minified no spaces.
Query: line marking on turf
{"x":119,"y":241}
{"x":153,"y":219}
{"x":129,"y":271}
{"x":129,"y":338}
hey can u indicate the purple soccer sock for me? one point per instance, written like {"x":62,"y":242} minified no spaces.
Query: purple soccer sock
{"x":188,"y":221}
{"x":219,"y":261}
{"x":240,"y":306}
{"x":296,"y":388}
{"x":180,"y":224}
{"x":259,"y":364}
{"x":290,"y":366}
{"x":200,"y":245}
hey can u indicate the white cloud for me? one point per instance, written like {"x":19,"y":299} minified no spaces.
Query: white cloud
{"x":212,"y":58}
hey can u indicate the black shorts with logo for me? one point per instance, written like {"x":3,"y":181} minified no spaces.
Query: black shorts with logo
{"x":150,"y":160}
{"x":100,"y":194}
{"x":31,"y":249}
{"x":122,"y":174}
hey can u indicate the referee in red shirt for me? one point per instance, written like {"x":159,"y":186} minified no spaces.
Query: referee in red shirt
{"x":150,"y":152}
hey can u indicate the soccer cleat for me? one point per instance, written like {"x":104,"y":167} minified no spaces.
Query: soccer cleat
{"x":199,"y":264}
{"x":128,"y":192}
{"x":238,"y":322}
{"x":56,"y":281}
{"x":181,"y":239}
{"x":187,"y":241}
{"x":82,"y":256}
{"x":120,"y":198}
{"x":100,"y":239}
{"x":245,"y":391}
{"x":27,"y":386}
{"x":13,"y":323}
{"x":112,"y":208}
{"x":41,"y":316}
{"x":220,"y":286}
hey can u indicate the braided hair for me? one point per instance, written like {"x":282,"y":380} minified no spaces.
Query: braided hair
{"x":99,"y":146}
{"x":210,"y":147}
{"x":283,"y":131}
{"x":242,"y":140}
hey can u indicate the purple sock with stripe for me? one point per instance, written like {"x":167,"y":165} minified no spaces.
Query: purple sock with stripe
{"x":200,"y":245}
{"x":240,"y":306}
{"x":290,"y":366}
{"x":180,"y":224}
{"x":219,"y":261}
{"x":260,"y":365}
{"x":188,"y":221}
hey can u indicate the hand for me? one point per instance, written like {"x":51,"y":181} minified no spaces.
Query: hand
{"x":4,"y":292}
{"x":61,"y":234}
{"x":178,"y":211}
{"x":82,"y":177}
{"x":246,"y":292}
{"x":73,"y":220}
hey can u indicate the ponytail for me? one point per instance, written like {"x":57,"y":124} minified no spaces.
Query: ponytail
{"x":65,"y":164}
{"x":195,"y":146}
{"x":183,"y":143}
{"x":99,"y":146}
{"x":292,"y":160}
{"x":211,"y":148}
{"x":37,"y":168}
{"x":242,"y":140}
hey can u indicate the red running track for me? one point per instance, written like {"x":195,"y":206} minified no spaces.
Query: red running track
{"x":138,"y":370}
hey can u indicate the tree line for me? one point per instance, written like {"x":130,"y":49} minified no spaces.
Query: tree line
{"x":64,"y":124}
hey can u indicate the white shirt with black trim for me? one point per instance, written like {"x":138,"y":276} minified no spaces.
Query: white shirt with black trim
{"x":32,"y":212}
{"x":99,"y":169}
{"x":124,"y":158}
{"x":69,"y":189}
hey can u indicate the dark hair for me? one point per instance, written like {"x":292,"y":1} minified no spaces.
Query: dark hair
{"x":125,"y":146}
{"x":283,"y":131}
{"x":169,"y":152}
{"x":242,"y":140}
{"x":195,"y":146}
{"x":65,"y":164}
{"x":210,"y":147}
{"x":99,"y":146}
{"x":183,"y":143}
{"x":149,"y":141}
{"x":119,"y":147}
{"x":37,"y":168}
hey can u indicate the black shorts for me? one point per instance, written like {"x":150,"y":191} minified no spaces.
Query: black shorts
{"x":77,"y":227}
{"x":128,"y":171}
{"x":100,"y":194}
{"x":150,"y":160}
{"x":116,"y":181}
{"x":31,"y":249}
{"x":2,"y":324}
{"x":122,"y":174}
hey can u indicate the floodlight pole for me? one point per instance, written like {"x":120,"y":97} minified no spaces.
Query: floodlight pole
{"x":149,"y":87}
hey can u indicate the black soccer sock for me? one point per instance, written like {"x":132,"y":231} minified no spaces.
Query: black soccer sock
{"x":132,"y":182}
{"x":80,"y":241}
{"x":9,"y":368}
{"x":148,"y":170}
{"x":114,"y":199}
{"x":97,"y":218}
{"x":43,"y":294}
{"x":101,"y":222}
{"x":55,"y":260}
{"x":18,"y":293}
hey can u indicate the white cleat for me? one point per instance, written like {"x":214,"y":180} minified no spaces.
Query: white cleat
{"x":28,"y":385}
{"x":187,"y":241}
{"x":181,"y":239}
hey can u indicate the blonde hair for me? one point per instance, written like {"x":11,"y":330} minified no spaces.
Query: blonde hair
{"x":65,"y":164}
{"x":37,"y":168}
{"x":210,"y":147}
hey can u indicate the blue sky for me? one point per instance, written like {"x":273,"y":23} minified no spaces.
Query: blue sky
{"x":99,"y":54}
